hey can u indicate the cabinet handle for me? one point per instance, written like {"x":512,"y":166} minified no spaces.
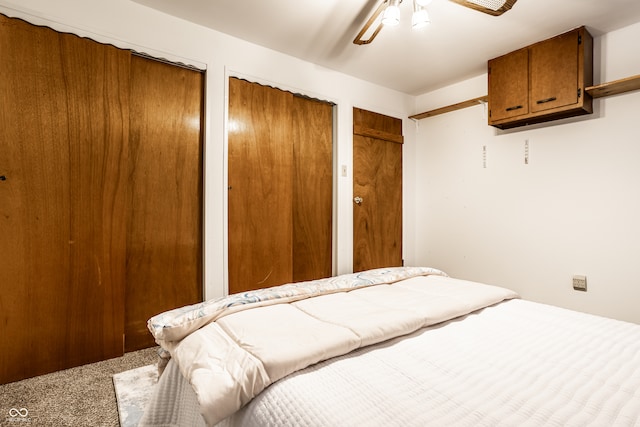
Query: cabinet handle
{"x":542,"y":101}
{"x":3,"y":178}
{"x":517,"y":107}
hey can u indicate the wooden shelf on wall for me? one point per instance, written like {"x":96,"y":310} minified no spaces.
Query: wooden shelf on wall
{"x":449,"y":108}
{"x":615,"y":87}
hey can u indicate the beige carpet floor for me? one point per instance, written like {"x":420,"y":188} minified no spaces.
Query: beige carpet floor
{"x":82,"y":396}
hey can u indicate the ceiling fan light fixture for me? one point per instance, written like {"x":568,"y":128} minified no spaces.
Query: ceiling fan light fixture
{"x":491,"y":7}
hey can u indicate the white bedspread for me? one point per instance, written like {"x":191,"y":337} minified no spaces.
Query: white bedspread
{"x":235,"y":356}
{"x":516,"y":363}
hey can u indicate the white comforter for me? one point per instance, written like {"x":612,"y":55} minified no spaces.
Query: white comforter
{"x":230,"y":350}
{"x":514,"y":364}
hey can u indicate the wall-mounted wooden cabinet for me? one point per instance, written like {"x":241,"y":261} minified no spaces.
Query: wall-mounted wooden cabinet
{"x":542,"y":82}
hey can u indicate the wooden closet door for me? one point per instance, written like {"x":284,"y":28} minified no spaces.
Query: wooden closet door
{"x":312,"y":188}
{"x":260,"y":186}
{"x":377,"y":181}
{"x":164,"y":233}
{"x":280,"y":187}
{"x":63,"y":145}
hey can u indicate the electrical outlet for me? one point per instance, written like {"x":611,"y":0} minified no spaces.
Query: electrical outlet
{"x":580,"y":283}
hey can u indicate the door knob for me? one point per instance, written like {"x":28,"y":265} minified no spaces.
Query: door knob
{"x":358,"y":200}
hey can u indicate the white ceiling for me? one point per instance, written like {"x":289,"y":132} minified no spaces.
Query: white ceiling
{"x":454,"y":47}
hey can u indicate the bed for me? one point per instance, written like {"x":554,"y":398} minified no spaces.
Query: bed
{"x":404,"y":346}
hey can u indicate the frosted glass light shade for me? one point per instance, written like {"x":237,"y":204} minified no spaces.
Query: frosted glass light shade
{"x":391,"y":15}
{"x":420,"y":19}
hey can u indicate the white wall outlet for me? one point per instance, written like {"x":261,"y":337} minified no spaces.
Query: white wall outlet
{"x":580,"y":283}
{"x":344,"y":170}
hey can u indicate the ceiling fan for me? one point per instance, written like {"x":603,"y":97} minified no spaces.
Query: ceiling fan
{"x":391,"y":14}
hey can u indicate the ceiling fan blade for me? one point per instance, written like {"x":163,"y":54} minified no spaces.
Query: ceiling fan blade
{"x":492,"y":7}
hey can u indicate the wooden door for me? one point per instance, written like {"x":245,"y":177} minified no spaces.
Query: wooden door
{"x":312,"y":196}
{"x":260,"y":189}
{"x":377,"y":190}
{"x":164,"y":233}
{"x":554,"y":72}
{"x":63,"y":145}
{"x":280,"y":187}
{"x":509,"y":85}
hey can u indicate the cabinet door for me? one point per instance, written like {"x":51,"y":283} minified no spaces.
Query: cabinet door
{"x":554,"y":72}
{"x":509,"y":85}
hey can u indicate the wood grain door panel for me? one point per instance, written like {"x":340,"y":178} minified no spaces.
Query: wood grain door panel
{"x":280,"y":187}
{"x":63,"y":141}
{"x":377,"y":123}
{"x":164,"y":233}
{"x":97,"y":105}
{"x":312,"y":188}
{"x":260,"y":186}
{"x":377,"y":180}
{"x":554,"y":67}
{"x":509,"y":85}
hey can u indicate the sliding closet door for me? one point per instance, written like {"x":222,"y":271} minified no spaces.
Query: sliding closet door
{"x":280,"y":187}
{"x":260,"y":189}
{"x":312,"y":188}
{"x":164,"y":233}
{"x":63,"y":156}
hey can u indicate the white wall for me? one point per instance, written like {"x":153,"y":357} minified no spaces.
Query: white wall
{"x":574,"y":209}
{"x":130,"y":25}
